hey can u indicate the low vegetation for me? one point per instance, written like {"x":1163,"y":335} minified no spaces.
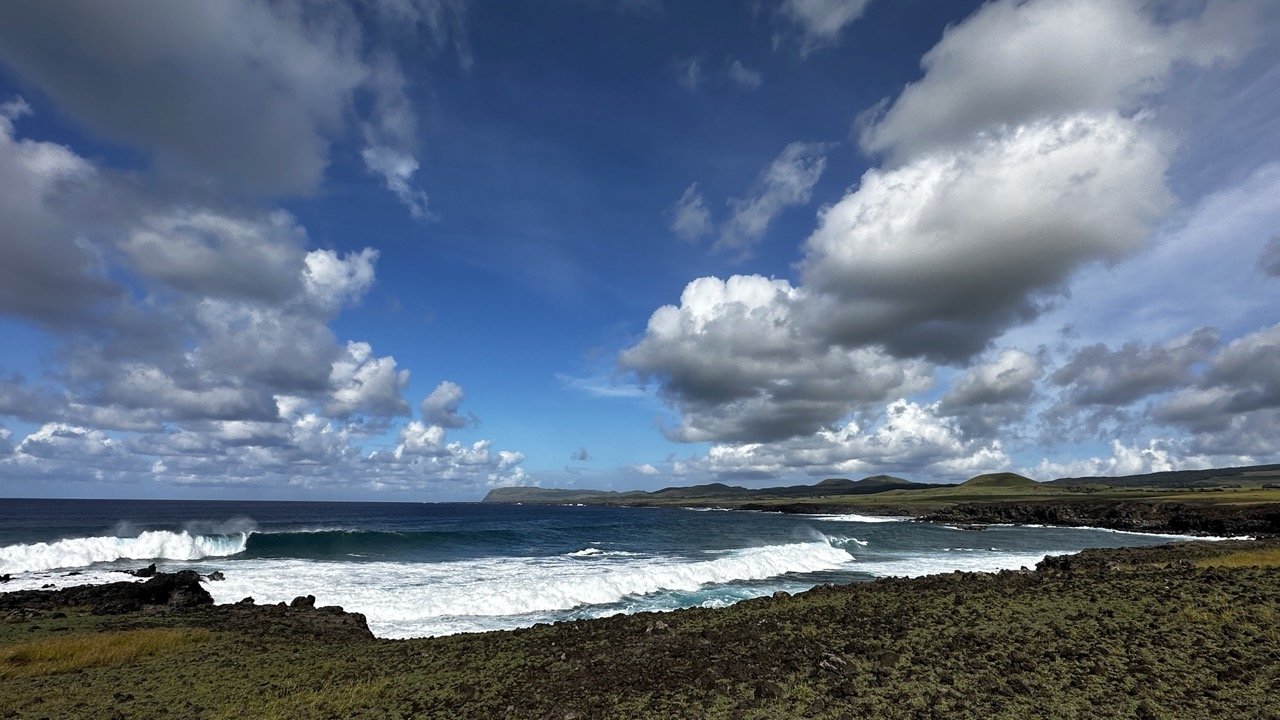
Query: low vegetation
{"x":70,"y":653}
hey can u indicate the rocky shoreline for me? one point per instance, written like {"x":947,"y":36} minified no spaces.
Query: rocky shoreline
{"x":1179,"y":630}
{"x":1161,"y":517}
{"x":1151,"y":517}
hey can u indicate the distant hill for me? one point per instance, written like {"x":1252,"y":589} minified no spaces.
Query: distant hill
{"x":710,"y":492}
{"x":888,"y":490}
{"x":545,"y":495}
{"x":1250,"y":476}
{"x":1010,"y":481}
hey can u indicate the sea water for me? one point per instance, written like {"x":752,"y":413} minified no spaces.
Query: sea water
{"x":432,"y":569}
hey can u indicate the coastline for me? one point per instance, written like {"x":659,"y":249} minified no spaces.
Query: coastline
{"x":1179,"y":628}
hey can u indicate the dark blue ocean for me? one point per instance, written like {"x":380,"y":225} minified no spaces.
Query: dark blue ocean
{"x":431,"y":569}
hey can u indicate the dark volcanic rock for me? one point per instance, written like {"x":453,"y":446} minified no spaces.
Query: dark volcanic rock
{"x":216,"y":575}
{"x":146,"y":572}
{"x":1186,"y":518}
{"x":169,"y":590}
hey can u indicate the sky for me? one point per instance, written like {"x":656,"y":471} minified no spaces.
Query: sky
{"x":419,"y":249}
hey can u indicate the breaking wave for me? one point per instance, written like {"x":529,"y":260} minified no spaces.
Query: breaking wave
{"x":150,"y":545}
{"x":414,"y":599}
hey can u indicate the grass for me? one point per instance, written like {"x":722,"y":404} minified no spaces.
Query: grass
{"x":53,"y":655}
{"x":1260,"y":557}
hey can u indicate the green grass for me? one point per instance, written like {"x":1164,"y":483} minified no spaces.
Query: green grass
{"x":1264,"y":557}
{"x":1000,"y":480}
{"x":69,"y":653}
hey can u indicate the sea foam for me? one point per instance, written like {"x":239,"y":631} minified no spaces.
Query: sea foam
{"x":150,"y":545}
{"x":416,"y":599}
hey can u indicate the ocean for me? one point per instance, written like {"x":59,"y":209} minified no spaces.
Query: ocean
{"x":433,"y":569}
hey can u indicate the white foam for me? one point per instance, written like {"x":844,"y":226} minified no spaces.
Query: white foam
{"x":1090,"y":528}
{"x":853,"y":517}
{"x":971,"y":561}
{"x":418,"y":599}
{"x":151,"y":545}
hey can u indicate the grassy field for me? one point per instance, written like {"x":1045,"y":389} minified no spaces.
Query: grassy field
{"x":1187,"y":631}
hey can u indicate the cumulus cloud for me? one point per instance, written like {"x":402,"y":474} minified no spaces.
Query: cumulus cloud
{"x":249,"y":93}
{"x":1014,"y":63}
{"x":786,"y":182}
{"x":737,"y":363}
{"x":901,"y":436}
{"x":219,"y":367}
{"x":332,"y":280}
{"x":1238,"y":391}
{"x":822,"y":21}
{"x":1098,"y":375}
{"x":362,"y":383}
{"x":690,"y":218}
{"x":218,"y":255}
{"x":261,"y":87}
{"x":1031,"y":150}
{"x":48,"y":275}
{"x":938,"y":256}
{"x":992,"y":395}
{"x":441,"y":406}
{"x":1156,"y":456}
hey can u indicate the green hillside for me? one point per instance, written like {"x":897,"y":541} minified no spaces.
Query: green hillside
{"x":1006,"y":481}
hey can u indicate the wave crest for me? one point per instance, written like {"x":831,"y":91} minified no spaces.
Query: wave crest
{"x":150,"y":545}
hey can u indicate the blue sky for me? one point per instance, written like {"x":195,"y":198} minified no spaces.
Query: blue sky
{"x":416,"y":249}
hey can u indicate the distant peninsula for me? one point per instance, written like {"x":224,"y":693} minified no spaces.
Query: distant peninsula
{"x":1220,"y":501}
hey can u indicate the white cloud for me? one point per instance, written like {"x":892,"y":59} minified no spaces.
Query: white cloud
{"x":206,"y":252}
{"x":940,"y":255}
{"x":690,"y":218}
{"x":1156,"y":456}
{"x":48,"y":274}
{"x":332,"y":281}
{"x":902,"y":436}
{"x":441,"y":406}
{"x":220,"y":368}
{"x":744,"y":77}
{"x":1017,"y":63}
{"x":689,"y":73}
{"x":262,"y":87}
{"x":397,"y":168}
{"x":738,"y":364}
{"x":786,"y":182}
{"x":1011,"y":377}
{"x":822,"y":21}
{"x":366,"y":384}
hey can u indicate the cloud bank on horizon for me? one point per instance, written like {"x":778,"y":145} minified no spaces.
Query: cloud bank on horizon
{"x":1048,"y":242}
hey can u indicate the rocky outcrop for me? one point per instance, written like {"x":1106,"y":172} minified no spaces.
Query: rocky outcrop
{"x":1159,"y":517}
{"x":163,"y":590}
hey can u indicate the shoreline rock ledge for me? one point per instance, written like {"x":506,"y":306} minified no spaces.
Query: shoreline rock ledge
{"x":176,"y":590}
